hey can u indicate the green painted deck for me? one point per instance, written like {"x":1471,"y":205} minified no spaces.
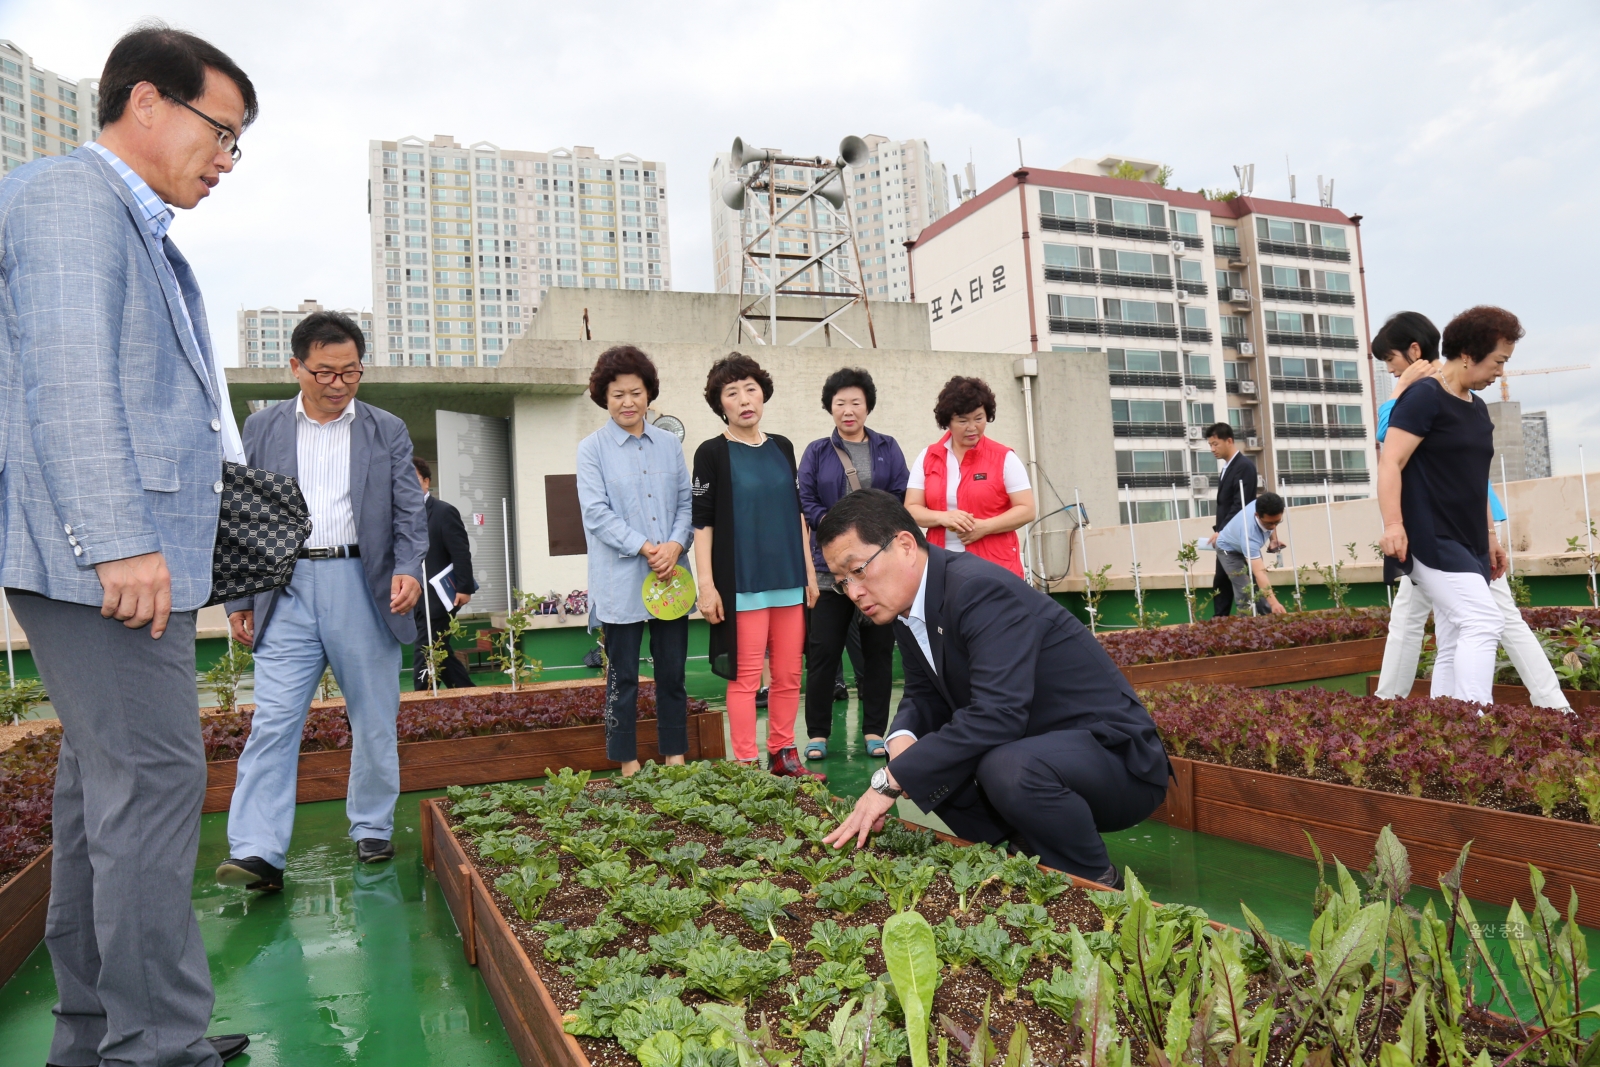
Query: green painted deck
{"x":357,"y":964}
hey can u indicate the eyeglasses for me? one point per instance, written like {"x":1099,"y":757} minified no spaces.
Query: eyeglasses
{"x":326,"y":377}
{"x":855,"y":574}
{"x":227,"y":140}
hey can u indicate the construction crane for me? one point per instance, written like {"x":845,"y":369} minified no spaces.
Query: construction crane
{"x":1505,"y":386}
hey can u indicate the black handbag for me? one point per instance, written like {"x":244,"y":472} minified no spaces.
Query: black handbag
{"x":262,"y":524}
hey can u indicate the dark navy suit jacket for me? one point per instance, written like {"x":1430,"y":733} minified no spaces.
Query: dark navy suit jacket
{"x":1009,"y":663}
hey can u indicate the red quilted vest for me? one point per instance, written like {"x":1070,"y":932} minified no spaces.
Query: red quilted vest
{"x":981,"y":492}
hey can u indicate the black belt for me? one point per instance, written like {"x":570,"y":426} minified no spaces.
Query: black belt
{"x":334,"y":552}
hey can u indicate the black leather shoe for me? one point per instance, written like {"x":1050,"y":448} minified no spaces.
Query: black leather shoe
{"x":761,"y":697}
{"x":1112,"y":878}
{"x":229,"y":1045}
{"x":374,"y":850}
{"x":840,"y":692}
{"x":252,"y":872}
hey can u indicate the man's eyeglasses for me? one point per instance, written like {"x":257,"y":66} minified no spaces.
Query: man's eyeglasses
{"x":326,"y":377}
{"x":227,"y":140}
{"x":855,"y":574}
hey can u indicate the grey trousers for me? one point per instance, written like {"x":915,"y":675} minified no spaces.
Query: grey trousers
{"x":131,"y":973}
{"x":1237,"y":568}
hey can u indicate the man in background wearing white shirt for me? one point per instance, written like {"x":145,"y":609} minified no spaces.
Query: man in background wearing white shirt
{"x":348,"y":606}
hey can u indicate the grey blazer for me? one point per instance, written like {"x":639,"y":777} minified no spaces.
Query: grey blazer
{"x":109,"y":421}
{"x":385,"y":497}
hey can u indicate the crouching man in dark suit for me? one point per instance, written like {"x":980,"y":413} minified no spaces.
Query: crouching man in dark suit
{"x":1015,"y":726}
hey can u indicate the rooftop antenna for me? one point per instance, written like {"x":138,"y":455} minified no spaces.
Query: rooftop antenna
{"x":957,"y":179}
{"x":1325,"y":192}
{"x":1246,"y":173}
{"x":1019,"y":153}
{"x":972,"y":177}
{"x":1291,"y":176}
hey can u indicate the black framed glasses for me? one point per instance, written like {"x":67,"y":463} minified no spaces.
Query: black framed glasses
{"x":227,"y":140}
{"x":855,"y":574}
{"x":326,"y":377}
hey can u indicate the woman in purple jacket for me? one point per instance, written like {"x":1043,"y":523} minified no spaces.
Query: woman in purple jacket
{"x":852,"y":457}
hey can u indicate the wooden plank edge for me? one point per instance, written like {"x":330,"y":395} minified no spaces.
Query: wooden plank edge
{"x":24,"y":902}
{"x":1361,"y":651}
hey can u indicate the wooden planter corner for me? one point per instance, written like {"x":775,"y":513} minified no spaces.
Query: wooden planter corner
{"x":1503,"y":694}
{"x":23,"y":902}
{"x":1276,"y":811}
{"x":1274,"y":667}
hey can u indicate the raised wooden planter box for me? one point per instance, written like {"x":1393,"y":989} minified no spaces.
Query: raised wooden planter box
{"x":1274,"y":667}
{"x":1276,"y":811}
{"x":1503,"y":694}
{"x":477,"y":760}
{"x":23,"y":901}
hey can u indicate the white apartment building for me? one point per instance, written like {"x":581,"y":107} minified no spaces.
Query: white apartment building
{"x":264,"y":332}
{"x":1248,"y":310}
{"x":41,"y":112}
{"x":466,"y":241}
{"x":898,"y":191}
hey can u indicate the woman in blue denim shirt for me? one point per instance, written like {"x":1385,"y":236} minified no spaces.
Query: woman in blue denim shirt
{"x":633,"y":487}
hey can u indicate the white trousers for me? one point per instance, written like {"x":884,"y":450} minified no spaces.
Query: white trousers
{"x":1408,"y":617}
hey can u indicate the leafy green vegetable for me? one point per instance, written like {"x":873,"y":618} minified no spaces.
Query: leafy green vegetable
{"x":682,"y":862}
{"x":840,"y":944}
{"x":1031,"y":919}
{"x":847,"y":895}
{"x":671,"y":950}
{"x":609,"y":876}
{"x":658,"y":905}
{"x":814,"y":871}
{"x":588,"y":972}
{"x":638,"y":1023}
{"x":529,"y":885}
{"x":512,"y":847}
{"x":1060,"y":994}
{"x":599,"y":1009}
{"x":761,"y":903}
{"x":952,"y":944}
{"x":734,"y":974}
{"x":563,"y":944}
{"x":494,"y":820}
{"x":905,"y":840}
{"x":471,"y":803}
{"x":716,"y":881}
{"x":808,"y":998}
{"x":847,"y":977}
{"x":909,"y":954}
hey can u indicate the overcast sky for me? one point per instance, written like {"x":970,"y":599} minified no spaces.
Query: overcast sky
{"x":1465,"y":133}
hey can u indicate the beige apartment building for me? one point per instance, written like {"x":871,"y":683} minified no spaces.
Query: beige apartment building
{"x":264,"y":332}
{"x":466,"y":241}
{"x":1248,"y":310}
{"x":42,"y":113}
{"x":899,"y":190}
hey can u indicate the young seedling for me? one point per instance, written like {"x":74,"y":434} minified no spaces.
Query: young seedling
{"x":717,"y":881}
{"x":840,"y":944}
{"x":733,"y":974}
{"x":761,"y":904}
{"x":529,"y":885}
{"x":847,"y":895}
{"x":659,"y":906}
{"x":563,"y":944}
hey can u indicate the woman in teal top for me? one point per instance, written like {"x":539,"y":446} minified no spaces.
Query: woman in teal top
{"x":752,"y":553}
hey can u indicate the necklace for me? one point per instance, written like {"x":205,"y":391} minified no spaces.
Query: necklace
{"x":761,"y":439}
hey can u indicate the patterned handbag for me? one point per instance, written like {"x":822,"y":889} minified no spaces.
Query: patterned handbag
{"x":263,"y":522}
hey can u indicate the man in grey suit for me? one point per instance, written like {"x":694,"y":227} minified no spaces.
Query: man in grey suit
{"x":348,"y":606}
{"x":114,"y":419}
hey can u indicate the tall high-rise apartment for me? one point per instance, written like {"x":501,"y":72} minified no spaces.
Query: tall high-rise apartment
{"x":893,"y":195}
{"x":1244,"y":310}
{"x":264,"y":332}
{"x":466,"y":241}
{"x":41,"y":112}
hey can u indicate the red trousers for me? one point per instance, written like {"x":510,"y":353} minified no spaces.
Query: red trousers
{"x":778,"y":634}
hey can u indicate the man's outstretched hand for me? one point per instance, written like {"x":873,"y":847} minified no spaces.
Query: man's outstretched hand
{"x":867,"y":818}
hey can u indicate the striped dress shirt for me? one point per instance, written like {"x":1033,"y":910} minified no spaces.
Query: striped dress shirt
{"x":323,"y":453}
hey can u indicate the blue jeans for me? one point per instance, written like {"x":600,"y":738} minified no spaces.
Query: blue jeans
{"x":669,"y":649}
{"x":325,"y":617}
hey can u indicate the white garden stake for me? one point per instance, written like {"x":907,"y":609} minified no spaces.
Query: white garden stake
{"x":1188,"y":593}
{"x":427,"y":618}
{"x":1083,"y":553}
{"x":1588,"y":527}
{"x":1138,"y":590}
{"x":1249,"y":573}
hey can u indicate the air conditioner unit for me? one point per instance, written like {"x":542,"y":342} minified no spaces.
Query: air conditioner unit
{"x":1247,"y":387}
{"x":1199,"y":483}
{"x":1179,"y":249}
{"x":1191,"y":392}
{"x":1239,"y":296}
{"x":1247,"y":348}
{"x":1252,"y":442}
{"x":1194,"y":433}
{"x":1183,"y":296}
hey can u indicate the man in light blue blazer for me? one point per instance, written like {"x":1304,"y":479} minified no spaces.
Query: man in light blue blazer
{"x":348,"y":606}
{"x":114,"y":419}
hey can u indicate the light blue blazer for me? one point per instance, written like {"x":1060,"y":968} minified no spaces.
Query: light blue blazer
{"x":109,"y":418}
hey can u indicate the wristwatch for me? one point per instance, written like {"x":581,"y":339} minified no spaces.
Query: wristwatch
{"x":880,"y":784}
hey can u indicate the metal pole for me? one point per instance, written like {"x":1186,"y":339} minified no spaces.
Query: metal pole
{"x":1588,"y":527}
{"x":1288,"y":528}
{"x":772,"y":247}
{"x":1505,"y":504}
{"x":511,"y":599}
{"x":1249,"y":572}
{"x":1034,"y":551}
{"x":1138,"y":590}
{"x":1327,"y":503}
{"x":1188,"y":593}
{"x":427,"y":618}
{"x":1083,"y":554}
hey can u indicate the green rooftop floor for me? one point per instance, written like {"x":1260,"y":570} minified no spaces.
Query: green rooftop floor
{"x":356,"y":964}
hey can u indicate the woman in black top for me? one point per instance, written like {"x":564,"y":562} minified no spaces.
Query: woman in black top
{"x":1433,"y":478}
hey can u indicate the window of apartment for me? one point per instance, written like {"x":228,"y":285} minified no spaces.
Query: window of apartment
{"x":1348,"y":459}
{"x":1064,"y":205}
{"x":1345,"y":414}
{"x":1072,"y":307}
{"x":1243,"y":420}
{"x":1197,"y":365}
{"x":1186,"y":222}
{"x":1302,"y":459}
{"x":1339,"y":325}
{"x":1203,"y":463}
{"x":1071,"y":256}
{"x":1129,"y":212}
{"x":1149,"y":461}
{"x":1334,"y":281}
{"x":1146,"y":411}
{"x":1233,"y":326}
{"x":1285,"y":277}
{"x":1235,"y":370}
{"x":1190,"y":270}
{"x":1328,"y":236}
{"x":1281,"y":230}
{"x":1138,"y":311}
{"x":1229,"y":279}
{"x":1286,"y":321}
{"x":1142,"y":361}
{"x":1296,"y":414}
{"x":1290,"y":367}
{"x":1194,"y":318}
{"x":1124,"y":262}
{"x":1201,"y":414}
{"x":1345,"y":370}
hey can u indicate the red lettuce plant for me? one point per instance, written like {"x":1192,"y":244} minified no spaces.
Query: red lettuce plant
{"x":27,"y":787}
{"x":1243,"y":633}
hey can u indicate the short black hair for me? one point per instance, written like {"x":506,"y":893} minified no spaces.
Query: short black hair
{"x":1222,"y":431}
{"x":1404,"y":329}
{"x":734,"y":367}
{"x":961,"y":395}
{"x":849,"y":378}
{"x":1477,"y":331}
{"x":326,"y":328}
{"x":877,"y":518}
{"x":1269,"y":504}
{"x":422,"y":467}
{"x":174,"y":61}
{"x":616,"y":361}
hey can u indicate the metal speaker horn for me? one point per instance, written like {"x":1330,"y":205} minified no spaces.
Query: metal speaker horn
{"x":833,"y":191}
{"x":853,"y":150}
{"x":733,"y":194}
{"x":745,"y":153}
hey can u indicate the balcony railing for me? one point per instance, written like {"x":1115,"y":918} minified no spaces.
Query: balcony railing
{"x":1321,"y":476}
{"x":1113,"y":328}
{"x":1164,"y":480}
{"x":1062,"y":225}
{"x":1308,"y":296}
{"x":1110,"y":229}
{"x":1205,"y":382}
{"x":1071,"y":274}
{"x":1318,"y":430}
{"x":1233,"y":253}
{"x":1234,"y":340}
{"x":1317,"y":385}
{"x":1289,"y":248}
{"x":1311,"y":340}
{"x":1106,"y":277}
{"x":1192,"y":240}
{"x":1196,"y":336}
{"x":1139,"y":377}
{"x":1233,"y":387}
{"x":1197,"y":288}
{"x":1148,"y":429}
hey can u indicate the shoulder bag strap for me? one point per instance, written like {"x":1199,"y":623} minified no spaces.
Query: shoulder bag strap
{"x":850,"y":474}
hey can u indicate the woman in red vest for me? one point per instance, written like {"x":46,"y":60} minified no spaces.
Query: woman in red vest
{"x":968,"y":485}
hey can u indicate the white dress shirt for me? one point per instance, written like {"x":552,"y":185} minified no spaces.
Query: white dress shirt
{"x":323,"y":452}
{"x":1015,"y":474}
{"x":916,"y":621}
